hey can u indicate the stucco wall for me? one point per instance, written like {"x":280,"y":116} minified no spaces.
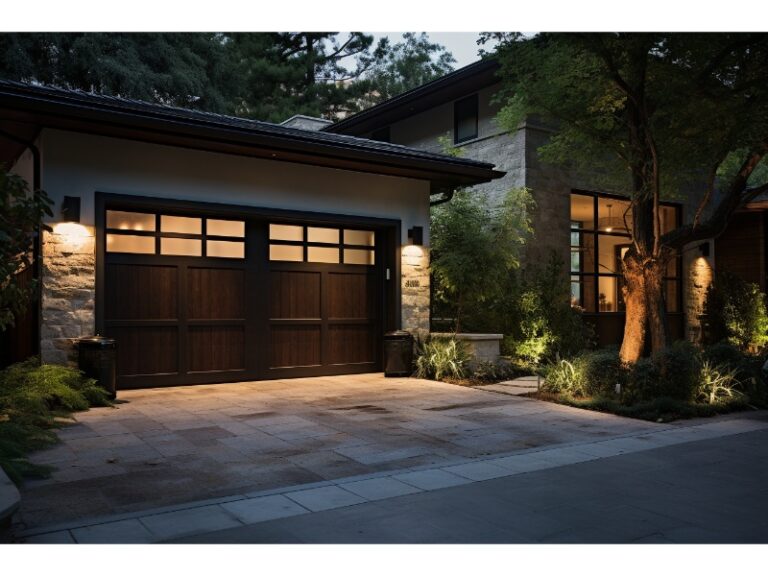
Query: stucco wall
{"x":80,"y":165}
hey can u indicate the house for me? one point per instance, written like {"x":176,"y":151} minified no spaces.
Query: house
{"x":577,"y":220}
{"x":218,"y":249}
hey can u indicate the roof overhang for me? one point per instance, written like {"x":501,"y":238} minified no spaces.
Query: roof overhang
{"x":25,"y":109}
{"x":445,"y":89}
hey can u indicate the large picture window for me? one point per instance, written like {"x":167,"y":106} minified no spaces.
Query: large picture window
{"x":600,"y":236}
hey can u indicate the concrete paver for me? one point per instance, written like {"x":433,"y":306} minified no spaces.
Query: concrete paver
{"x":168,"y":446}
{"x":325,"y":498}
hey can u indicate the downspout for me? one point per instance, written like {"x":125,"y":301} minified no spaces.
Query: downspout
{"x":37,"y":247}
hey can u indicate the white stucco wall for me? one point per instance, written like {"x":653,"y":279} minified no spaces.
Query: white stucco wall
{"x":81,"y":164}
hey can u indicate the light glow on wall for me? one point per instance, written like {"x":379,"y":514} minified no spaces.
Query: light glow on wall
{"x":413,"y":255}
{"x":72,"y":233}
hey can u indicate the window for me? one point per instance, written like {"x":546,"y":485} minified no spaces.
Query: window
{"x":323,"y":245}
{"x":465,"y":119}
{"x":600,"y":236}
{"x":172,"y":235}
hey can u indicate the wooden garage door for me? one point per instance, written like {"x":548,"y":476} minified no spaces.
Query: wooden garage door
{"x":325,"y":300}
{"x":198,"y":299}
{"x":175,"y":298}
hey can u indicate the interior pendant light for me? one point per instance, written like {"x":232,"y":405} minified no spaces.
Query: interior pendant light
{"x":611,"y":223}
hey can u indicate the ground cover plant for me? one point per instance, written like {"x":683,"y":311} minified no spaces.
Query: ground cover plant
{"x":35,"y":399}
{"x":680,"y":381}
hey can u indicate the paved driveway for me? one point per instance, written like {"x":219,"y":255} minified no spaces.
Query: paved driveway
{"x":167,"y":446}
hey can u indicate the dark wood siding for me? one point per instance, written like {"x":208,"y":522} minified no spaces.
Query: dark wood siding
{"x":741,"y":249}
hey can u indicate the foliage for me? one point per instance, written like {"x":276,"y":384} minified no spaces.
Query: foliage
{"x":21,"y":213}
{"x":539,"y":322}
{"x":438,"y":358}
{"x":653,"y":115}
{"x":406,"y":65}
{"x":716,"y":383}
{"x":591,"y":373}
{"x":32,"y":399}
{"x":676,"y":382}
{"x":489,"y":372}
{"x":265,"y":75}
{"x":475,"y":246}
{"x":736,"y":312}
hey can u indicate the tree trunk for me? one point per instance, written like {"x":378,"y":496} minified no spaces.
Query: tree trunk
{"x":636,"y":310}
{"x":654,"y":293}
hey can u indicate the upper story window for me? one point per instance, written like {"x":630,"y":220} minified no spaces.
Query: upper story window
{"x":600,"y":236}
{"x":381,"y":135}
{"x":465,"y":119}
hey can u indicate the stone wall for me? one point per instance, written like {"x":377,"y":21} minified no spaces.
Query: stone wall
{"x":698,"y":273}
{"x":69,"y":289}
{"x":415,"y":289}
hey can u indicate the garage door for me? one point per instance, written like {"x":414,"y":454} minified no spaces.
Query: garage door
{"x":198,"y":298}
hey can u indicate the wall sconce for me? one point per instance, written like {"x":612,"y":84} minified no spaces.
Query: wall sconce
{"x":70,"y":209}
{"x":704,"y":249}
{"x":416,"y":234}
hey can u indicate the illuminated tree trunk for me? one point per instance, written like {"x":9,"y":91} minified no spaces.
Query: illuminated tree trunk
{"x":636,"y":311}
{"x":654,"y":294}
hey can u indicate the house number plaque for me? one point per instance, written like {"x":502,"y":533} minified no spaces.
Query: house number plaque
{"x":412,"y":284}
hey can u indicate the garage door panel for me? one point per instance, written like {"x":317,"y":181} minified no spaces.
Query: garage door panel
{"x":146,"y":350}
{"x":215,"y":293}
{"x":215,"y":348}
{"x":350,"y":295}
{"x":351,"y":344}
{"x":139,"y":292}
{"x":295,"y":294}
{"x":294,"y":346}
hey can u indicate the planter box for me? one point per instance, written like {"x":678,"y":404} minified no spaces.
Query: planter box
{"x":482,"y":347}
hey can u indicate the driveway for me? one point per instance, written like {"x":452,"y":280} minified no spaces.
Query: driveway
{"x":167,"y":446}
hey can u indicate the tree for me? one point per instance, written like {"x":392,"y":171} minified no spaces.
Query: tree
{"x":406,"y":65}
{"x":20,"y":216}
{"x":181,"y":69}
{"x":659,"y":115}
{"x":474,"y":250}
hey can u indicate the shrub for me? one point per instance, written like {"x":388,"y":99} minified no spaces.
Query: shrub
{"x":541,"y":325}
{"x":747,"y":368}
{"x":736,"y":312}
{"x":495,"y":371}
{"x":32,"y":397}
{"x":717,"y":383}
{"x":591,"y":373}
{"x":439,"y":358}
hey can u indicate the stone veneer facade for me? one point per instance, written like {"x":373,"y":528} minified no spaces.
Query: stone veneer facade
{"x":69,"y":291}
{"x":415,"y":289}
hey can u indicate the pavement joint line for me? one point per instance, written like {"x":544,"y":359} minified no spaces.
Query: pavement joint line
{"x":748,"y":425}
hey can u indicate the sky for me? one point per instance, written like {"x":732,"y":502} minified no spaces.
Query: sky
{"x":463,"y":45}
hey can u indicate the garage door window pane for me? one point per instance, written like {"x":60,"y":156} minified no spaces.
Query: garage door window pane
{"x":352,"y":256}
{"x":286,"y":253}
{"x":130,"y":244}
{"x":130,"y":221}
{"x":225,"y":249}
{"x":324,"y":235}
{"x":234,"y":228}
{"x":181,"y":225}
{"x":325,"y":255}
{"x":286,"y":232}
{"x":180,"y":247}
{"x":359,"y":237}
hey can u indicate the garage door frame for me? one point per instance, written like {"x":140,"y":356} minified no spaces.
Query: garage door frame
{"x":389,"y":230}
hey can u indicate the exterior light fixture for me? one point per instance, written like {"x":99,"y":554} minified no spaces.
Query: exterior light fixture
{"x":70,"y":209}
{"x":611,"y":223}
{"x":704,"y":249}
{"x":416,"y":234}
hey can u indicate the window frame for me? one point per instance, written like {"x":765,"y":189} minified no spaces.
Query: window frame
{"x":472,"y":101}
{"x":595,"y":275}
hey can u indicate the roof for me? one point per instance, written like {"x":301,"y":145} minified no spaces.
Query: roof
{"x":447,"y":88}
{"x":24,"y":105}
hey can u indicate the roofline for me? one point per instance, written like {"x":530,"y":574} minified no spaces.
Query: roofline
{"x":104,"y":115}
{"x":483,"y":71}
